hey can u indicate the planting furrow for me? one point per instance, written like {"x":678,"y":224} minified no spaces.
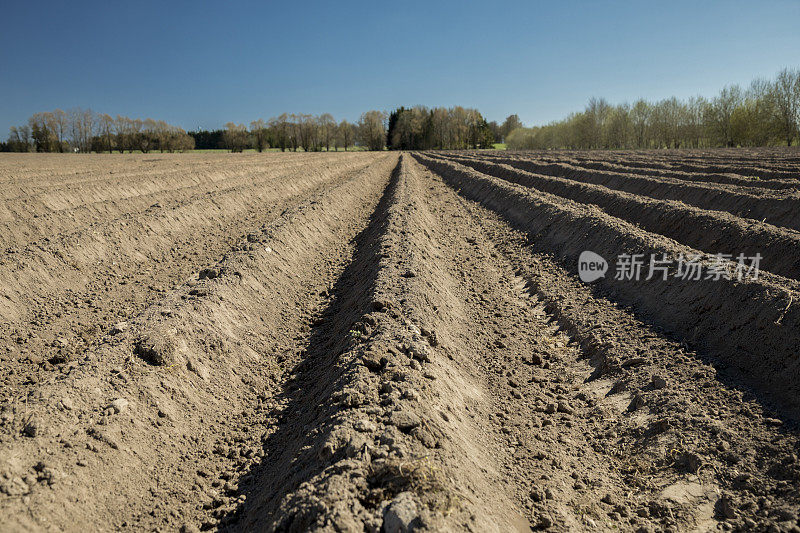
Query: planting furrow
{"x":760,"y":165}
{"x":687,"y":448}
{"x":749,"y":327}
{"x":620,"y":166}
{"x":61,"y":300}
{"x":578,"y":168}
{"x":22,"y":176}
{"x":753,"y":186}
{"x":780,"y":209}
{"x":710,"y":231}
{"x":160,"y":234}
{"x":375,"y":429}
{"x":160,"y":420}
{"x":52,"y":215}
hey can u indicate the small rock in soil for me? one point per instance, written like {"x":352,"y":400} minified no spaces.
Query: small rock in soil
{"x":119,"y":405}
{"x":119,"y":327}
{"x":425,"y":437}
{"x":380,"y":305}
{"x":404,"y":421}
{"x":636,"y":403}
{"x":725,"y":507}
{"x":658,"y":382}
{"x":400,"y":516}
{"x":564,"y":407}
{"x":365,"y":426}
{"x":373,"y":362}
{"x":420,"y":352}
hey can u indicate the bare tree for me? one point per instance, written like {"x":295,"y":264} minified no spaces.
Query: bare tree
{"x":61,"y":122}
{"x":786,"y":94}
{"x":372,"y":130}
{"x":106,"y":127}
{"x":82,"y":124}
{"x":235,"y":137}
{"x":327,"y":127}
{"x":346,"y":134}
{"x":258,"y":128}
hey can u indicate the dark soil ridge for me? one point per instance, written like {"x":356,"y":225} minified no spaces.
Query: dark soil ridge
{"x":710,"y":231}
{"x":694,"y":428}
{"x":682,"y":172}
{"x":780,"y":209}
{"x":752,"y":328}
{"x":777,"y":163}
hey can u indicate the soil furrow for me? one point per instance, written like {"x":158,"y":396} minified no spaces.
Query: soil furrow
{"x":383,"y":342}
{"x":620,"y":165}
{"x":687,"y":447}
{"x":43,"y":279}
{"x":710,"y":231}
{"x":751,"y":327}
{"x":360,"y":438}
{"x":61,"y":214}
{"x":698,"y":161}
{"x":779,"y":208}
{"x":209,"y":354}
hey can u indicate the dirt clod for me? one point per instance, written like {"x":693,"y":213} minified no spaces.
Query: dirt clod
{"x":404,"y":420}
{"x":157,"y":347}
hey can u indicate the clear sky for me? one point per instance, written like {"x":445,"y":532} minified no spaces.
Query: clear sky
{"x":201,"y":64}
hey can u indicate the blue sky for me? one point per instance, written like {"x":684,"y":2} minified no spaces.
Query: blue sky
{"x":198,"y":64}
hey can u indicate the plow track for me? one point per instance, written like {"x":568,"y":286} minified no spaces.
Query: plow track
{"x":392,"y":342}
{"x":760,"y":165}
{"x":778,"y":207}
{"x":709,"y":231}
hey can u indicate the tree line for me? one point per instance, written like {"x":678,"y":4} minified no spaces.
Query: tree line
{"x":417,"y":128}
{"x":414,"y":128}
{"x":297,"y":131}
{"x":83,"y":130}
{"x":420,"y":128}
{"x":766,"y":113}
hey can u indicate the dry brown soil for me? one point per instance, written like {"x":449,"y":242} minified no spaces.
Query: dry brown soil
{"x":396,"y":342}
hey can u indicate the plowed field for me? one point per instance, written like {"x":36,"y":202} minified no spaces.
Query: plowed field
{"x":388,"y":342}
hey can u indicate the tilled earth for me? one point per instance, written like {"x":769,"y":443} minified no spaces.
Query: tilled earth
{"x":395,"y":342}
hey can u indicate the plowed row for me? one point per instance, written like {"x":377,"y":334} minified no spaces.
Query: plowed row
{"x":387,"y":342}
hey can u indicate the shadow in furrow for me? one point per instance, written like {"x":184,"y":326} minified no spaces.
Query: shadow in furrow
{"x":747,"y":331}
{"x":294,"y":452}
